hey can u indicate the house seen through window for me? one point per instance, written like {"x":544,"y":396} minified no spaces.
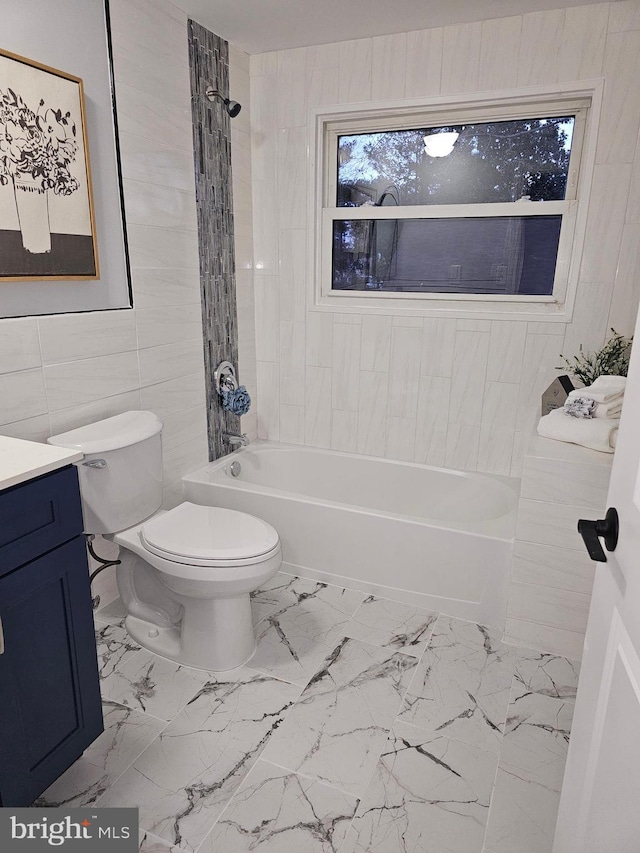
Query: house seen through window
{"x":462,"y":208}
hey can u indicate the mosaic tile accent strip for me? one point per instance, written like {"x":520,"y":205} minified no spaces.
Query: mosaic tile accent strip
{"x":209,"y":65}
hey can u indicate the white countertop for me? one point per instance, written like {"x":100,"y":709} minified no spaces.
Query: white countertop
{"x":22,"y":460}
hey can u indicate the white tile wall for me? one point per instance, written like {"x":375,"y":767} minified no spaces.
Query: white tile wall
{"x":424,"y":63}
{"x":533,"y":635}
{"x":552,"y":575}
{"x":499,"y":53}
{"x":552,"y":524}
{"x":63,"y":371}
{"x":372,"y":408}
{"x":565,"y":482}
{"x":557,"y":568}
{"x":388,"y":66}
{"x":557,"y":608}
{"x":482,"y":416}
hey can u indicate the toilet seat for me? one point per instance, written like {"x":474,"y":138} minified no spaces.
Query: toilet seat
{"x":207,"y":536}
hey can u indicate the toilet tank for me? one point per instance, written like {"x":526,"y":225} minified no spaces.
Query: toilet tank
{"x":121,"y":473}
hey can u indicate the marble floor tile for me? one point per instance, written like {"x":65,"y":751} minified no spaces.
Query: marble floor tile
{"x":279,"y":591}
{"x":254,"y":759}
{"x":150,"y":844}
{"x":550,"y":675}
{"x":392,"y":625}
{"x":154,"y":685}
{"x":536,"y":732}
{"x":294,"y":639}
{"x":428,"y":793}
{"x":114,"y":647}
{"x":339,"y":725}
{"x":525,"y":801}
{"x":81,"y":785}
{"x":522,"y":818}
{"x":461,"y":685}
{"x":275,"y":810}
{"x":126,"y":734}
{"x":185,"y":778}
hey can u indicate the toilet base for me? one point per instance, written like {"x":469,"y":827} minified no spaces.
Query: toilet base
{"x":215,"y":634}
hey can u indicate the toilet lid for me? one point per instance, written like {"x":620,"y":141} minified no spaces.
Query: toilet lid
{"x":202,"y":533}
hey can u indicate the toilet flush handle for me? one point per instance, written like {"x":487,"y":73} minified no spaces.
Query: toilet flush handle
{"x":96,"y":463}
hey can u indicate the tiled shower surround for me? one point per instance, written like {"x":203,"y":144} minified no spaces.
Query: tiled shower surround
{"x":469,"y":394}
{"x":359,"y":724}
{"x":209,"y":66}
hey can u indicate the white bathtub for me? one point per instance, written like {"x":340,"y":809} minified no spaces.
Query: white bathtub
{"x":432,"y":537}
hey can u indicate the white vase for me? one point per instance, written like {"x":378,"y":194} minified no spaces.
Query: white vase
{"x":32,"y":205}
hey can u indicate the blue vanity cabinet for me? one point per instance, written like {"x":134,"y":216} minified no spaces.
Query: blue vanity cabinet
{"x":50,"y":708}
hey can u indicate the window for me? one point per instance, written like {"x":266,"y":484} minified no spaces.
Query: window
{"x":474,"y":202}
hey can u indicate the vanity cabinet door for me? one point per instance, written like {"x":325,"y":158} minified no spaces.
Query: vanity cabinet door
{"x":50,"y":708}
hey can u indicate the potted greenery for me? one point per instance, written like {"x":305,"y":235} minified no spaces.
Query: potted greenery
{"x":611,"y":360}
{"x":36,"y":149}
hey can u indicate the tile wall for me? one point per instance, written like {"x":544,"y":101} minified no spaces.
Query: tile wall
{"x":470,"y":390}
{"x":209,"y":67}
{"x":60,"y":372}
{"x":552,"y":575}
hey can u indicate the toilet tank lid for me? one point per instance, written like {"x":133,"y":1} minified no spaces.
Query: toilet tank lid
{"x":111,"y":433}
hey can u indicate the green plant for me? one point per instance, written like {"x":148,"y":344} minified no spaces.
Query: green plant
{"x":611,"y":360}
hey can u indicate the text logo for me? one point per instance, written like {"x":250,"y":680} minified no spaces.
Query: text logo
{"x":34,"y":830}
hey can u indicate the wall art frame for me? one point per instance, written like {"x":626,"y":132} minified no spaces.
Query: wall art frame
{"x":48,"y":228}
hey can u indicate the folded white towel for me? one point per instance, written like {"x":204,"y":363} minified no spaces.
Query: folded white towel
{"x":585,"y":407}
{"x":595,"y":433}
{"x":613,"y":409}
{"x":604,"y":389}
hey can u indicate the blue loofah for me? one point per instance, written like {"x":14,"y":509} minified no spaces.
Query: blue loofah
{"x":238,"y":401}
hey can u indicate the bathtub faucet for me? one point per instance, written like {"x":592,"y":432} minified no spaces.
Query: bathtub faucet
{"x":235,"y":440}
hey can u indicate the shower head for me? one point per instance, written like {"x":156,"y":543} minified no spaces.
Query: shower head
{"x":232,"y":107}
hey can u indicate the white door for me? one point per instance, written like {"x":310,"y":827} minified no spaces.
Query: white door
{"x":600,"y":802}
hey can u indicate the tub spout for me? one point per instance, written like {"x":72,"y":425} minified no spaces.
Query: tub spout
{"x":234,"y":440}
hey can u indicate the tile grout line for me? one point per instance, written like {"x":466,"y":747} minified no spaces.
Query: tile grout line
{"x":137,"y":756}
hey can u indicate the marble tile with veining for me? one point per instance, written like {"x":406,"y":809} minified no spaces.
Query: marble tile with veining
{"x":338,"y":727}
{"x":526,"y":796}
{"x":537,"y":734}
{"x":185,"y":778}
{"x":279,"y":591}
{"x":126,"y":734}
{"x":392,"y":624}
{"x":547,"y":674}
{"x":114,"y":647}
{"x":153,"y":685}
{"x":150,"y":844}
{"x":461,"y":685}
{"x":294,"y":639}
{"x":428,"y":793}
{"x":275,"y":810}
{"x":81,"y":785}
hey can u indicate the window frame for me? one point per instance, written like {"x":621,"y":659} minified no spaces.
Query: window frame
{"x":328,"y":124}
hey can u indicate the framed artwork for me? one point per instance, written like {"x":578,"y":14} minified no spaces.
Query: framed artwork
{"x":47,"y":226}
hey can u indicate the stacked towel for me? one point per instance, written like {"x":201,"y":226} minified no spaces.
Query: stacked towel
{"x":606,"y":392}
{"x":586,"y":407}
{"x":595,"y":433}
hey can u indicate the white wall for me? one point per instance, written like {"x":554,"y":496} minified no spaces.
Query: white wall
{"x":239,"y":90}
{"x":460,"y":393}
{"x":59,"y":372}
{"x":69,"y":35}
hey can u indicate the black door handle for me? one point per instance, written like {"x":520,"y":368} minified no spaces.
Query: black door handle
{"x":607,"y":528}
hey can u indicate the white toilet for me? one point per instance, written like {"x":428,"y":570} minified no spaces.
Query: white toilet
{"x":186,"y":574}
